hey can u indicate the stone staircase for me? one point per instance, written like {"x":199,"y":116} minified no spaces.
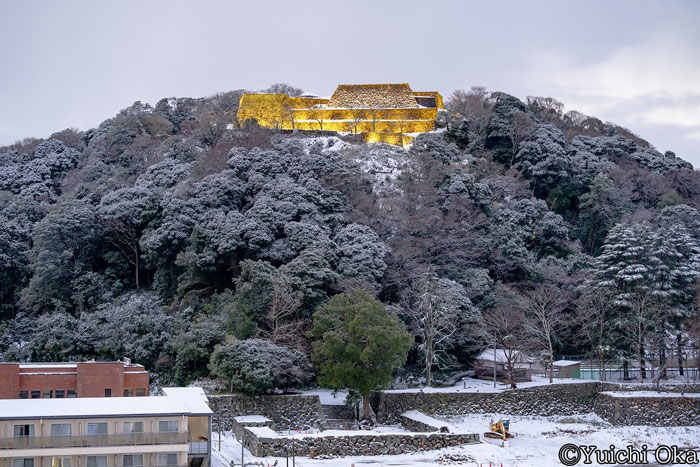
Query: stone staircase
{"x":339,"y":417}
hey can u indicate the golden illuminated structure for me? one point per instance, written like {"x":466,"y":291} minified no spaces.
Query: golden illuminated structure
{"x":388,"y":113}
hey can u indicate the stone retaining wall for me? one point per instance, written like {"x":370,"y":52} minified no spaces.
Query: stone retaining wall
{"x":656,"y":411}
{"x":238,"y":427}
{"x":677,"y":388}
{"x":412,"y":424}
{"x":354,"y":445}
{"x":555,"y":399}
{"x":301,"y":412}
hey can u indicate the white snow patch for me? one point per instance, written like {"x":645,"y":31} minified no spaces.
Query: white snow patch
{"x":328,"y":143}
{"x":328,"y":396}
{"x":428,"y":420}
{"x":537,"y":442}
{"x":251,"y":419}
{"x":480,"y":385}
{"x":629,"y":394}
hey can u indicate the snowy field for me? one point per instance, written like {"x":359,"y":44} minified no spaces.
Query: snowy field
{"x":536,"y":443}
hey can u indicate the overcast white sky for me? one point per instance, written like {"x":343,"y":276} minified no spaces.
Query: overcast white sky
{"x":75,"y":63}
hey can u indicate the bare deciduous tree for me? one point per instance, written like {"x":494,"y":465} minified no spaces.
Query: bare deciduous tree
{"x":377,"y":113}
{"x":545,"y":319}
{"x":434,"y":318}
{"x":284,"y":88}
{"x":475,"y":104}
{"x":522,"y":126}
{"x":504,"y":326}
{"x":317,"y":115}
{"x":595,"y":317}
{"x":282,"y":326}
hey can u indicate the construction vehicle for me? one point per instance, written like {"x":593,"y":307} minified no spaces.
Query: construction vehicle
{"x":499,"y":430}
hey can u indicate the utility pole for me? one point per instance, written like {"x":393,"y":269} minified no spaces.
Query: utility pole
{"x":219,"y":423}
{"x":494,"y":365}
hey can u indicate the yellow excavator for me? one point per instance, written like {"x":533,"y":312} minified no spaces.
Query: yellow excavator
{"x":499,"y":430}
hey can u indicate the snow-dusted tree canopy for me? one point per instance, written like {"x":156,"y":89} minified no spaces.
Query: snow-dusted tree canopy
{"x":161,"y":235}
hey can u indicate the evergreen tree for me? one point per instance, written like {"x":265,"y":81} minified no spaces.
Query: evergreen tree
{"x":358,"y":344}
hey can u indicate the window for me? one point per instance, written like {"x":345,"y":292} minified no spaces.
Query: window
{"x":133,"y":427}
{"x":96,"y":461}
{"x":60,"y":393}
{"x":128,"y":393}
{"x":166,"y":459}
{"x":48,"y":393}
{"x":23,"y":395}
{"x":108,"y":392}
{"x":167,"y":426}
{"x":60,"y":429}
{"x":60,"y":462}
{"x":132,"y":460}
{"x":23,"y":431}
{"x":23,"y":462}
{"x":97,"y":428}
{"x":36,"y":394}
{"x":72,"y":393}
{"x":140,"y":392}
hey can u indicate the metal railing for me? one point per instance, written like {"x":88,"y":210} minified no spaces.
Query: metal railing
{"x":32,"y":442}
{"x":198,"y":448}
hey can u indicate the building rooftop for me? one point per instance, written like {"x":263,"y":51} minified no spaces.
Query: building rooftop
{"x":34,"y":365}
{"x":502,"y":358}
{"x":193,"y":398}
{"x":371,"y":96}
{"x":566,"y":363}
{"x":175,"y":402}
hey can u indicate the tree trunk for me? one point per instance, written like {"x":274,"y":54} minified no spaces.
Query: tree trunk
{"x":428,"y":370}
{"x":429,"y":355}
{"x":365,"y":408}
{"x":662,"y":362}
{"x":136,"y":265}
{"x":642,"y":369}
{"x":679,"y":341}
{"x":551,"y":363}
{"x":625,"y":370}
{"x":602,"y":364}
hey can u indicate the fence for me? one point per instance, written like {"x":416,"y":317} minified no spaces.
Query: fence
{"x":618,"y":373}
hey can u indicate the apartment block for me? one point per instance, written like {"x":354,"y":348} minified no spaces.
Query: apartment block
{"x":173,"y":430}
{"x":72,"y":379}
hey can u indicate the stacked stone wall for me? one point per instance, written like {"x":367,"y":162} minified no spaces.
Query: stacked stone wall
{"x":354,"y":445}
{"x":555,"y":399}
{"x":655,"y":411}
{"x":301,"y":412}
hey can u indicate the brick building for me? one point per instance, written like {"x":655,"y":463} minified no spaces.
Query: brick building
{"x":72,"y":379}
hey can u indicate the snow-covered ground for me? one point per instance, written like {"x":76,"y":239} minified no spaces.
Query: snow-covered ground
{"x":537,"y":442}
{"x":650,"y":394}
{"x":328,"y":397}
{"x":480,"y":385}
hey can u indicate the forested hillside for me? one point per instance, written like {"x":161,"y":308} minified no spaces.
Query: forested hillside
{"x":160,"y":235}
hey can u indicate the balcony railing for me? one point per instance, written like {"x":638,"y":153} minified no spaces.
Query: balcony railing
{"x":198,"y":448}
{"x":31,"y":442}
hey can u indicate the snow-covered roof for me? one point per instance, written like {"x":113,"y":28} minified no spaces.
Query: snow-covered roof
{"x":500,"y":357}
{"x":566,"y":363}
{"x":33,"y":365}
{"x":103,"y":407}
{"x":252,"y":419}
{"x":194,"y":398}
